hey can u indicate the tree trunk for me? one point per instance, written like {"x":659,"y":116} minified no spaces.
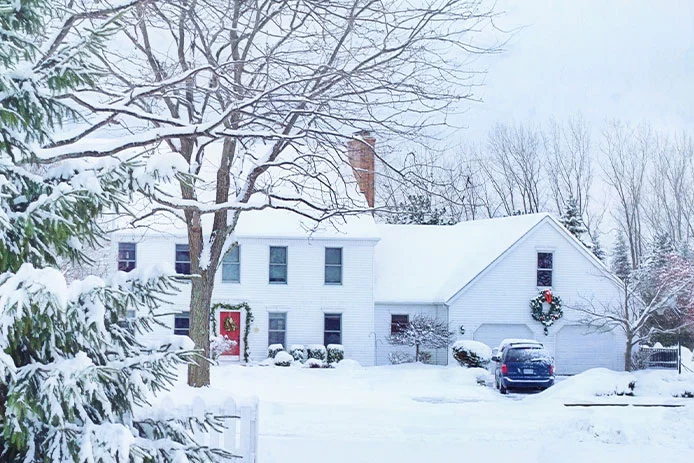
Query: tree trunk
{"x":416,"y":352}
{"x":200,"y":298}
{"x":627,"y":355}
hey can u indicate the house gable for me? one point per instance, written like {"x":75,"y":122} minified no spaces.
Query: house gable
{"x":562,"y":235}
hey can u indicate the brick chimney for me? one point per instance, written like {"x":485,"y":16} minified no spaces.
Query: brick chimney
{"x":361,"y":154}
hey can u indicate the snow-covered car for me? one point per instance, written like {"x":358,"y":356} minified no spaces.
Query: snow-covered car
{"x":497,"y":351}
{"x":523,"y":366}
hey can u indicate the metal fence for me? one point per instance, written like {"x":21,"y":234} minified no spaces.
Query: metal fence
{"x":660,"y":357}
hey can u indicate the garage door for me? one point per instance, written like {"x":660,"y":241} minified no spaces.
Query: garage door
{"x":578,"y":350}
{"x":493,"y":333}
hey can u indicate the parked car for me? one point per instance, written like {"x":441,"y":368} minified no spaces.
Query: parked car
{"x":523,"y":366}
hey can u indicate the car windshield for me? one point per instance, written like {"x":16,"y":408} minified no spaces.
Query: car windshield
{"x":527,"y":354}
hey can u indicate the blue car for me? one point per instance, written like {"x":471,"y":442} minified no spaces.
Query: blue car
{"x":523,"y":366}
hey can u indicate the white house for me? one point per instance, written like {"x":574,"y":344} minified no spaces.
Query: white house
{"x":481,"y":276}
{"x":354,"y":283}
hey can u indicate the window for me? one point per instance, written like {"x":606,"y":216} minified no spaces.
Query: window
{"x":398,"y":323}
{"x":183,"y":259}
{"x":333,"y":328}
{"x":278,"y":264}
{"x":277,"y":328}
{"x":182,"y":323}
{"x":231,"y":266}
{"x":333,"y":266}
{"x":545,"y":262}
{"x":126,"y":256}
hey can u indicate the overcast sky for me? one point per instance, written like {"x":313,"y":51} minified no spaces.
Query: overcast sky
{"x":604,"y":59}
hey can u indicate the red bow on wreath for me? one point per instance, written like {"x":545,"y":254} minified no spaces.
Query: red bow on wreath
{"x":548,"y":296}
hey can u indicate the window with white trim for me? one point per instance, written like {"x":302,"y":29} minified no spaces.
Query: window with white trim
{"x":182,"y":323}
{"x":278,"y":264}
{"x":333,"y":266}
{"x":545,"y":267}
{"x":183,"y":259}
{"x":277,"y":328}
{"x":231,"y":266}
{"x":332,"y":328}
{"x":127,"y":257}
{"x":398,"y":323}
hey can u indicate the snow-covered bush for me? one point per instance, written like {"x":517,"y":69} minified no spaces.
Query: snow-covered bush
{"x":423,"y":331}
{"x":316,"y":351}
{"x":219,"y":345}
{"x":273,"y":349}
{"x":336,"y":352}
{"x":313,"y":363}
{"x":348,"y":364}
{"x":425,"y":357}
{"x":397,"y":358}
{"x":283,"y":359}
{"x":298,"y":352}
{"x":472,"y":354}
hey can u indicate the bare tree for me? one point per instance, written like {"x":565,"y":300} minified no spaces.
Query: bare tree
{"x":245,"y":105}
{"x":423,"y":331}
{"x":514,"y":168}
{"x":570,"y":168}
{"x":670,"y":206}
{"x":443,"y":182}
{"x":671,"y":291}
{"x":628,"y":155}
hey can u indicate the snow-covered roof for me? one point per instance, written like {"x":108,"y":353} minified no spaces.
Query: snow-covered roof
{"x":311,"y":186}
{"x":429,"y":264}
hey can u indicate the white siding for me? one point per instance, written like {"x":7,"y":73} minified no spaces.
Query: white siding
{"x":305,"y":298}
{"x":382,"y":319}
{"x":501,"y":294}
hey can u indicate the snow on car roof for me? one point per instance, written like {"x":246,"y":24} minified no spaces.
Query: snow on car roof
{"x":431,"y":263}
{"x":518,"y":342}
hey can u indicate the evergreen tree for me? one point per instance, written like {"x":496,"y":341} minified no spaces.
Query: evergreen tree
{"x":418,"y":210}
{"x":621,"y":266}
{"x":72,"y":372}
{"x":572,"y":220}
{"x":596,"y":247}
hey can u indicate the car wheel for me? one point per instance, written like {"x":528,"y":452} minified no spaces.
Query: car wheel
{"x":502,"y":388}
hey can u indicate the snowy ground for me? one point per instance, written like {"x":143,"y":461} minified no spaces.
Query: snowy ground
{"x":418,"y":413}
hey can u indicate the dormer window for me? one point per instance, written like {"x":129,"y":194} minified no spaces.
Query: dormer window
{"x":545,"y":266}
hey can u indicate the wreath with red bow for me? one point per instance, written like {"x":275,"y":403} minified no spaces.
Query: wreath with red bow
{"x":555,"y":311}
{"x":230,"y":325}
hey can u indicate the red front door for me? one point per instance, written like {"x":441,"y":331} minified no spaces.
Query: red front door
{"x":230,"y":327}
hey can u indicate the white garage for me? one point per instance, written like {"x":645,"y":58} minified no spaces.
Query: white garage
{"x":493,"y":333}
{"x":578,"y":349}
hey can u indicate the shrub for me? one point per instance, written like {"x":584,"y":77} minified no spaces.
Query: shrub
{"x":273,"y":349}
{"x":313,"y":363}
{"x":472,"y":354}
{"x":219,"y":345}
{"x":316,"y":351}
{"x":425,"y":357}
{"x":335,"y":353}
{"x":298,"y":353}
{"x":283,"y":359}
{"x":397,"y":358}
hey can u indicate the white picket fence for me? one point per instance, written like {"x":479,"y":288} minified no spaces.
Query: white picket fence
{"x":240,"y":433}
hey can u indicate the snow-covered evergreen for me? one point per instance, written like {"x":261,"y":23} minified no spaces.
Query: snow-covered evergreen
{"x":621,"y":265}
{"x":572,"y":220}
{"x":73,"y":375}
{"x":417,"y":209}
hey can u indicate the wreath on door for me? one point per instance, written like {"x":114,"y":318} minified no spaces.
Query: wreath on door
{"x":554,"y":313}
{"x":230,"y":325}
